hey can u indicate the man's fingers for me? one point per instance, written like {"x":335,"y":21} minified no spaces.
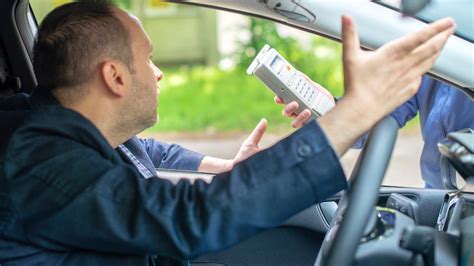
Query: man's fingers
{"x":430,"y":49}
{"x":420,"y":69}
{"x":350,"y":38}
{"x":410,"y":42}
{"x":290,"y":109}
{"x":258,"y":132}
{"x":423,"y":58}
{"x":278,"y":100}
{"x":301,"y":119}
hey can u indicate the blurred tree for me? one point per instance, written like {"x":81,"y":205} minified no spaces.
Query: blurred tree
{"x":125,"y":4}
{"x":60,"y":2}
{"x":322,"y":62}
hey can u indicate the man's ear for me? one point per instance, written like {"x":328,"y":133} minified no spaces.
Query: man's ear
{"x":116,"y":77}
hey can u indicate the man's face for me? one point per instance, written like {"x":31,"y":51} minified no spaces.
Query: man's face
{"x":143,"y":100}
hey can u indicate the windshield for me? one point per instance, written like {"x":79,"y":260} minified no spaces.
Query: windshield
{"x":461,"y":10}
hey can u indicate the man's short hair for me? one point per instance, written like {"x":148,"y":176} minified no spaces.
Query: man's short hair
{"x":74,"y":38}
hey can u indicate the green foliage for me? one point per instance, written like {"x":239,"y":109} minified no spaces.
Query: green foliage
{"x":208,"y":99}
{"x":322,"y":62}
{"x":42,"y":7}
{"x":124,"y":4}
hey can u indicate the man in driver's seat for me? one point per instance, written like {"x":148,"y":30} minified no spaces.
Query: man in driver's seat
{"x":73,"y":199}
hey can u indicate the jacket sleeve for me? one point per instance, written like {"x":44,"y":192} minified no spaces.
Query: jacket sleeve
{"x":74,"y":198}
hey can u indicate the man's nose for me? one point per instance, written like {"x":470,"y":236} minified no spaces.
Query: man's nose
{"x":158,"y":74}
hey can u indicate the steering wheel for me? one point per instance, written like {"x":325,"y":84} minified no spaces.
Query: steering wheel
{"x":357,"y":203}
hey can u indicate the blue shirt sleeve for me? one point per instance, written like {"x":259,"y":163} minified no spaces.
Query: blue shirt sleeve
{"x":171,"y":156}
{"x":406,"y":111}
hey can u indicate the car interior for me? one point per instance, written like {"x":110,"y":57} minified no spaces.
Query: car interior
{"x":368,"y":224}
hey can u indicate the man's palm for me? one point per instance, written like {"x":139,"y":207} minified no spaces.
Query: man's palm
{"x":250,"y":145}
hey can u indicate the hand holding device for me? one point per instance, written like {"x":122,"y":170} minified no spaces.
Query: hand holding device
{"x":288,"y":83}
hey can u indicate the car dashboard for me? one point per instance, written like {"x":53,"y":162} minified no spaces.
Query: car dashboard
{"x":397,"y":238}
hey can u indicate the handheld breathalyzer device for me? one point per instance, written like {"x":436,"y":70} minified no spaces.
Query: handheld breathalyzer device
{"x":288,"y":83}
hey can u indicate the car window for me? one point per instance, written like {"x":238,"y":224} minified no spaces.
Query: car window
{"x":208,"y":101}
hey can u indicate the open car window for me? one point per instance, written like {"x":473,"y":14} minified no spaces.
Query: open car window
{"x":318,"y":57}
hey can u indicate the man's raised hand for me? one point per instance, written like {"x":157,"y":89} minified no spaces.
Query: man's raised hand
{"x":376,"y":82}
{"x":383,"y":79}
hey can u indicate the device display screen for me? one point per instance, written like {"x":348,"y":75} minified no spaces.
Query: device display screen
{"x":277,"y":64}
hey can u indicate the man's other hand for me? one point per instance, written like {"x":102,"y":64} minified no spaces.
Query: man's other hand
{"x":250,"y":145}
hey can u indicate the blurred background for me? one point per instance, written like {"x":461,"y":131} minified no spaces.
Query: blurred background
{"x":209,"y":104}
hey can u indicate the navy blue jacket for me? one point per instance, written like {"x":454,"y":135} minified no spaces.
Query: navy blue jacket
{"x":70,"y":198}
{"x":150,"y":152}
